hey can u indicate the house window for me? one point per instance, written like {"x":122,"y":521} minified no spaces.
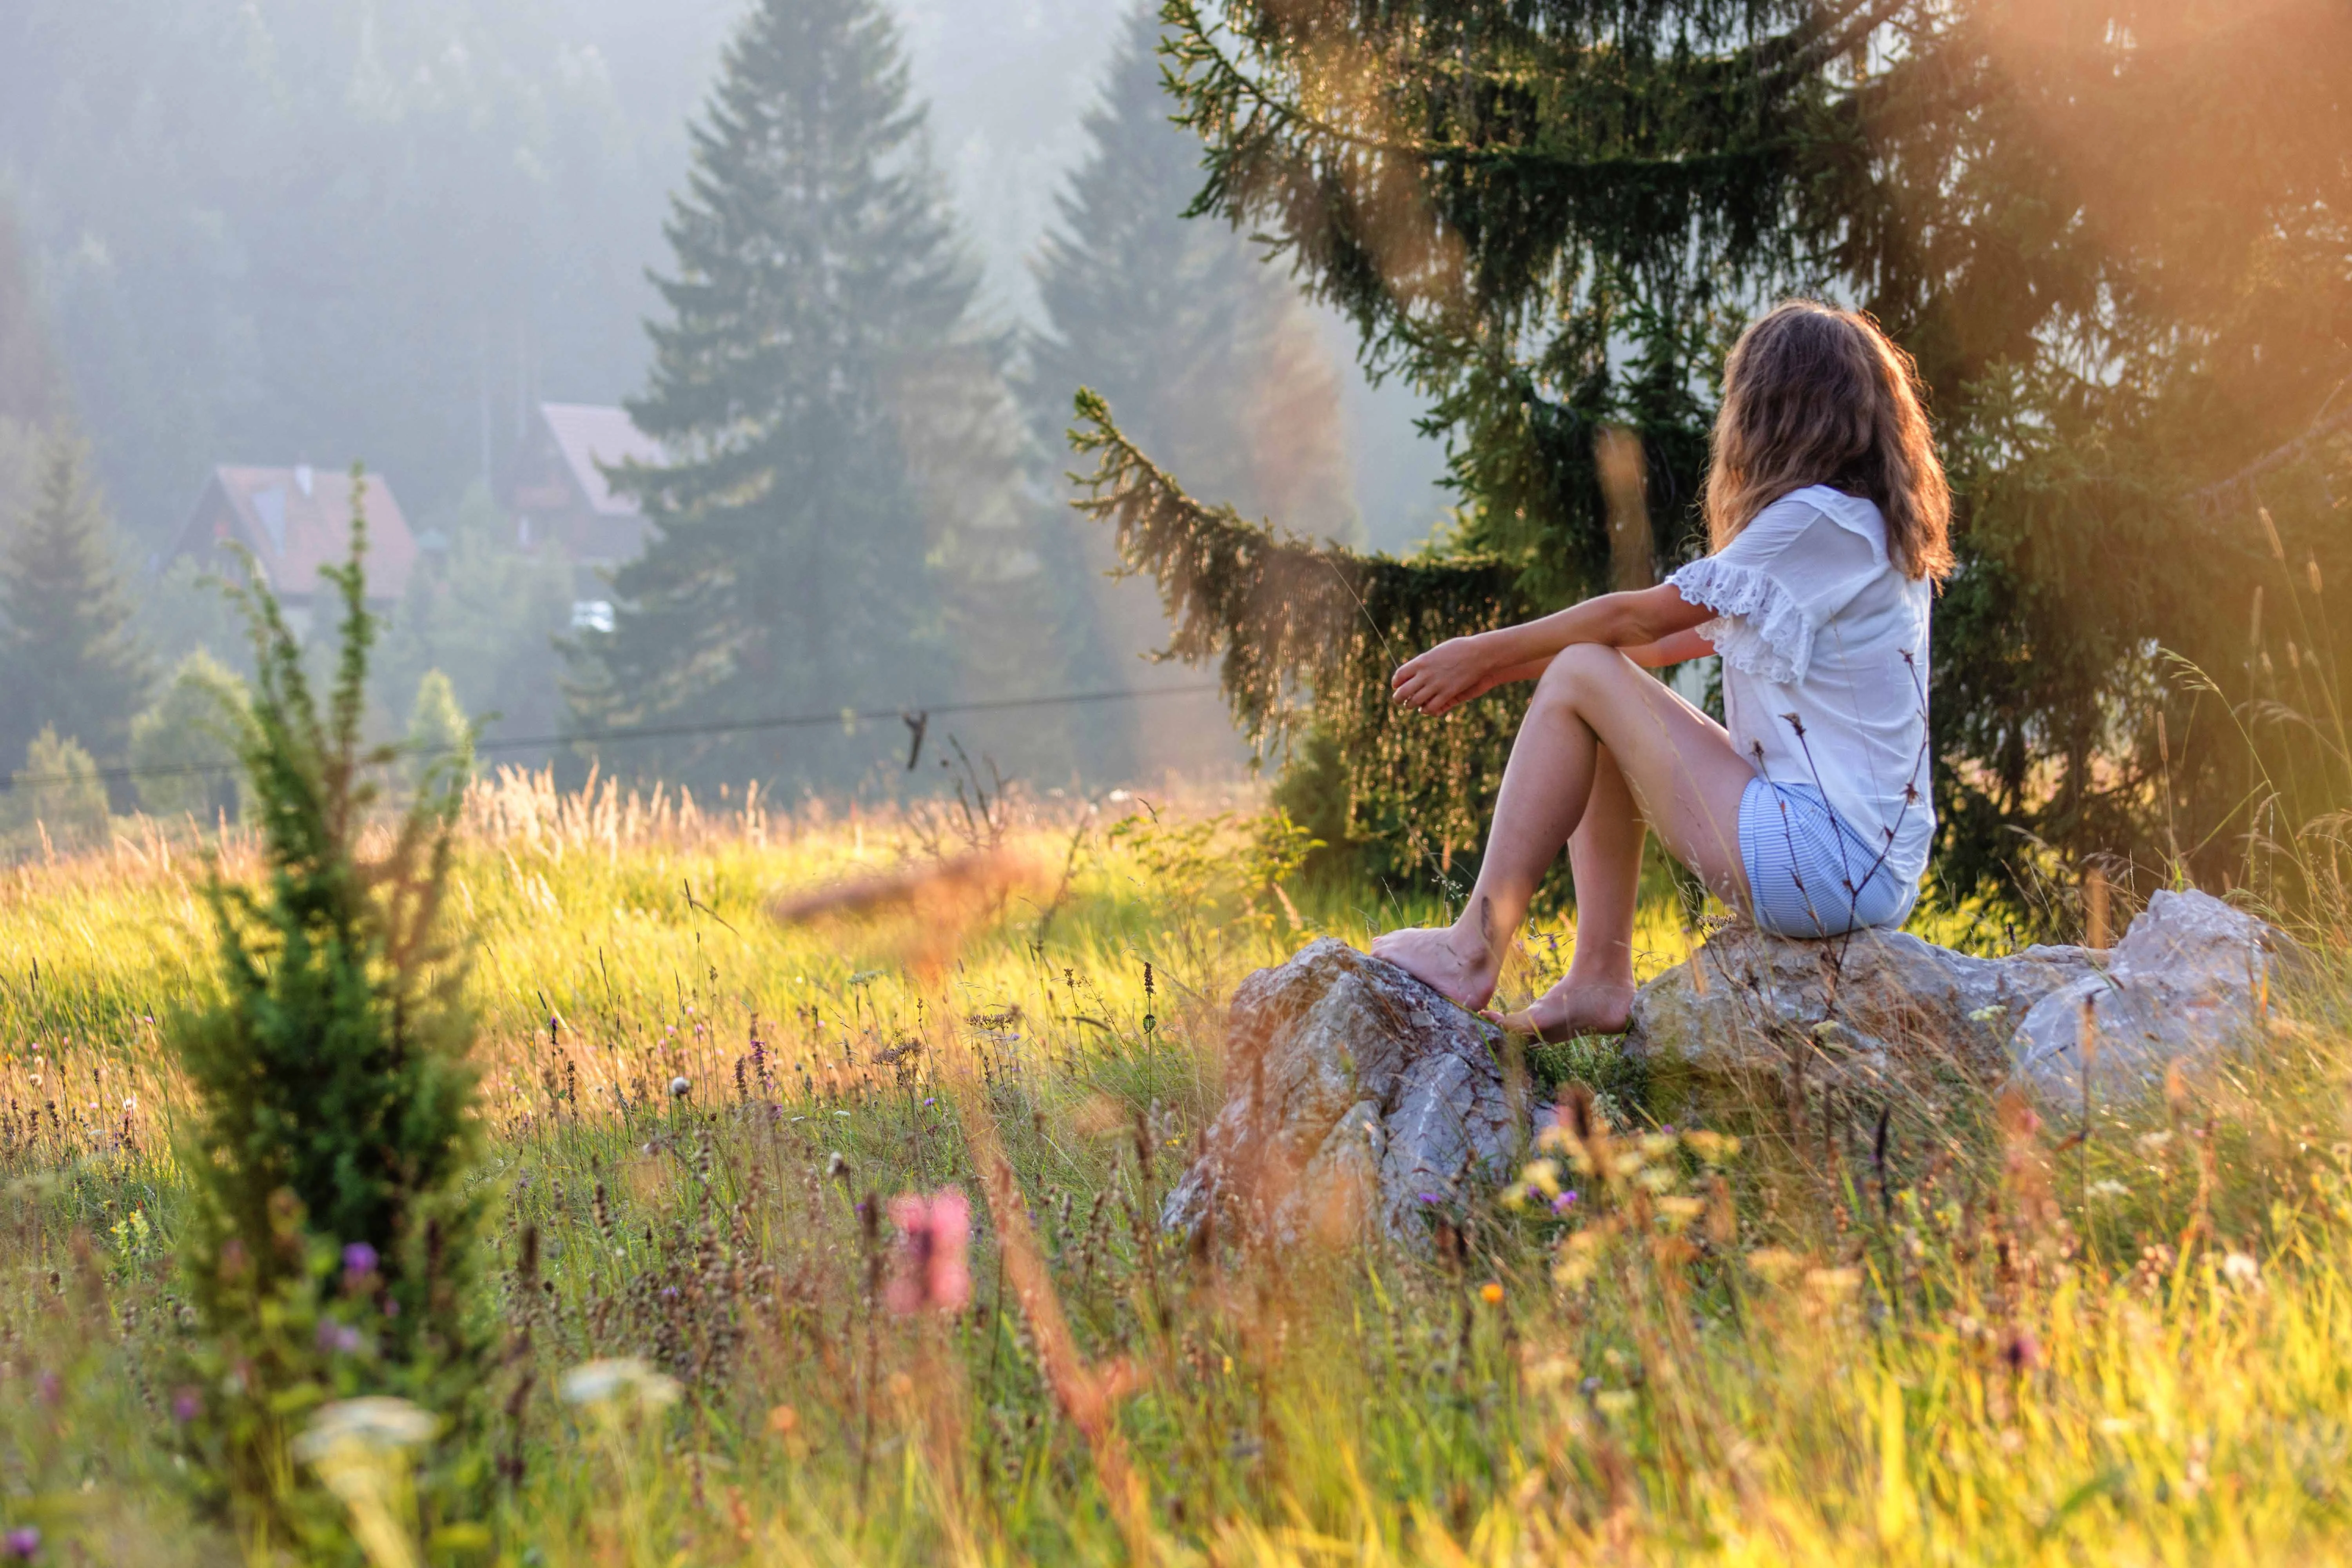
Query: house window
{"x":592,"y":615}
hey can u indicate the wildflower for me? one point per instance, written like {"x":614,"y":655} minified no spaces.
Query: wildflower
{"x":2020,"y":1350}
{"x":50,"y":1389}
{"x":360,"y":1260}
{"x":375,"y":1425}
{"x":784,"y":1420}
{"x":2106,"y":1189}
{"x":679,"y":1088}
{"x":1491,"y":1292}
{"x":22,"y":1543}
{"x":1565,"y":1202}
{"x":338,"y":1337}
{"x":929,"y":1270}
{"x":2240,"y":1268}
{"x":624,"y":1378}
{"x":187,"y":1404}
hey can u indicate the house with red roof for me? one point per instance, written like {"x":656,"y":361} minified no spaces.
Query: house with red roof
{"x":295,"y":521}
{"x":557,"y":490}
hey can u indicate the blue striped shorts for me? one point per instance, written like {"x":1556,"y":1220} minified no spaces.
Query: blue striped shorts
{"x":1809,"y":873}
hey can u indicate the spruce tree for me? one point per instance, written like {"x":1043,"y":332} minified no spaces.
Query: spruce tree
{"x":1205,"y":354}
{"x":2108,"y":231}
{"x":74,"y":658}
{"x":819,"y":294}
{"x":1208,"y":359}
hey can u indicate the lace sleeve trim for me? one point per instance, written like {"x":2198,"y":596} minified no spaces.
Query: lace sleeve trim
{"x":1758,"y":629}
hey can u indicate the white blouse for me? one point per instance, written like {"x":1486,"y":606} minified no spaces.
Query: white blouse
{"x":1824,"y":646}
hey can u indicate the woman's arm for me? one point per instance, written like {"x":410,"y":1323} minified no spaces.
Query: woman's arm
{"x":1460,"y":669}
{"x":1679,"y":649}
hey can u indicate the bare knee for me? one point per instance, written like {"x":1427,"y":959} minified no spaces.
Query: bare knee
{"x":1577,"y":670}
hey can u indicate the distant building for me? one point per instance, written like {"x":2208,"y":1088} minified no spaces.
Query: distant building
{"x":295,"y":521}
{"x":559,"y":501}
{"x":557,"y":490}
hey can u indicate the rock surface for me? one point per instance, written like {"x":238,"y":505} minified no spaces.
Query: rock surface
{"x":2184,"y":983}
{"x":1867,"y":1006}
{"x":1357,"y":1097}
{"x":2189,"y":979}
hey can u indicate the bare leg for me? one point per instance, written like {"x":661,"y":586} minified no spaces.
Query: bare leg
{"x":1604,"y":855}
{"x":1682,"y":775}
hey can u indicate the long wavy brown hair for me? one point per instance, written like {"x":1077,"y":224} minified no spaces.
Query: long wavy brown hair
{"x":1816,"y":396}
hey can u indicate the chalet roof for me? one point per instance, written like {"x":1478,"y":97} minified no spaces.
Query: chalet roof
{"x":587,"y":434}
{"x":296,"y":520}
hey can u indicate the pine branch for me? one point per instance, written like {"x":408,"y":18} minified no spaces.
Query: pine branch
{"x":1304,"y":631}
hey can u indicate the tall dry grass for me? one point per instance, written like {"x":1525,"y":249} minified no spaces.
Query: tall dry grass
{"x":2020,"y":1341}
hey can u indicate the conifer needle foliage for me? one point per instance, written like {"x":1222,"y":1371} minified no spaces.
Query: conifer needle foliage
{"x":2110,"y":231}
{"x":1302,"y":629}
{"x":331,"y":1230}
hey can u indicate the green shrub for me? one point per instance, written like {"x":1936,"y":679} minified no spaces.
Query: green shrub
{"x":331,"y":1240}
{"x":58,"y":793}
{"x":183,"y":749}
{"x":440,"y":738}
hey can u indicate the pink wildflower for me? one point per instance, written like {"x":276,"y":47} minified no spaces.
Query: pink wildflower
{"x":929,"y":1270}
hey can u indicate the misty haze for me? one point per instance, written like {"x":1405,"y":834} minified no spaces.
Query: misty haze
{"x":1187,"y":783}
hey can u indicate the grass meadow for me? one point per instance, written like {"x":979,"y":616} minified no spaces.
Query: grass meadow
{"x":1966,"y":1333}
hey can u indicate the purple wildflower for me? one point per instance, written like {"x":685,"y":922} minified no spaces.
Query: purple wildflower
{"x":22,"y":1543}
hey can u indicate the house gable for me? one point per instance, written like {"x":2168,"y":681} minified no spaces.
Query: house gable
{"x":294,"y":522}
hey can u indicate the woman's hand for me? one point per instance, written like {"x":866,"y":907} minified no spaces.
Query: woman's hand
{"x":1447,"y":676}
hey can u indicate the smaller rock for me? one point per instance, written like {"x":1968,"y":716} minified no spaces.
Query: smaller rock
{"x":2187,"y":982}
{"x":1356,"y":1097}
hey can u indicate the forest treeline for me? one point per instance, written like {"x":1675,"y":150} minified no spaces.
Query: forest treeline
{"x":262,"y":229}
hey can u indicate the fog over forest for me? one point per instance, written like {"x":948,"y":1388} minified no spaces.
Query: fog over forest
{"x":243,"y":245}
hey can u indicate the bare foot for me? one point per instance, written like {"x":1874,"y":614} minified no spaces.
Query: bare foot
{"x":1575,"y":1007}
{"x":1461,"y":968}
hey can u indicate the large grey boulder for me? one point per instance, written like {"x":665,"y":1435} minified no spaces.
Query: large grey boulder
{"x":2189,"y":981}
{"x":2184,"y":985}
{"x":1356,"y":1097}
{"x":1860,"y":1010}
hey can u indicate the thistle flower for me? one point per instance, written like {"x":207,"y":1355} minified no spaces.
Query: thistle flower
{"x":928,"y":1271}
{"x":22,"y":1544}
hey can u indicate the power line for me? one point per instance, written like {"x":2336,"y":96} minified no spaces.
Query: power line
{"x":668,"y":731}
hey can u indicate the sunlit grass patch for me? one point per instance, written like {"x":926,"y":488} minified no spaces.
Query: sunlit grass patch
{"x":2011,"y":1344}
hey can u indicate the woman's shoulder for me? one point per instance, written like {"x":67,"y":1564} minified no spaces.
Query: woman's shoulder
{"x":1858,"y":515}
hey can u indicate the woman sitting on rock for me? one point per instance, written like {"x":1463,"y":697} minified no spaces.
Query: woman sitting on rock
{"x":1827,"y":509}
